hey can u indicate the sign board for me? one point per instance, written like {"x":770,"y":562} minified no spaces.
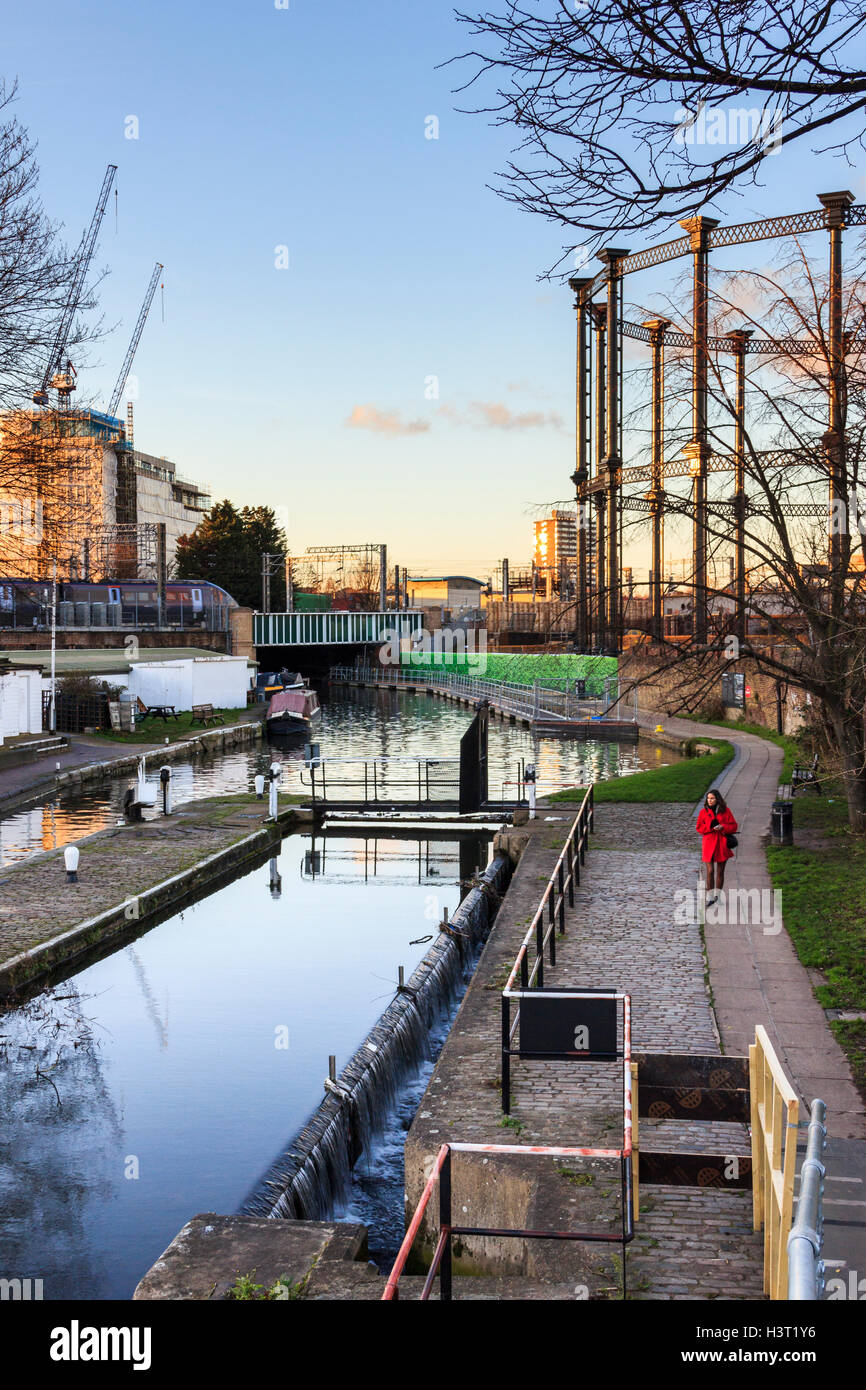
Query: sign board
{"x":567,"y":1026}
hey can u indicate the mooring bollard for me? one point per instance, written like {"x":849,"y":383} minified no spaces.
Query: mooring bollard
{"x":401,"y":977}
{"x":275,"y":773}
{"x":165,"y":779}
{"x":70,"y":859}
{"x":259,"y":783}
{"x":529,"y":780}
{"x":332,"y":1068}
{"x":275,"y":879}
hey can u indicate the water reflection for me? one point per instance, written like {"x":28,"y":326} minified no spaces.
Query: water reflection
{"x":162,"y":1080}
{"x":354,"y":723}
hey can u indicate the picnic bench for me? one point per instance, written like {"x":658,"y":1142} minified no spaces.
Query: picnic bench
{"x":155,"y":711}
{"x":805,"y":776}
{"x":205,"y":714}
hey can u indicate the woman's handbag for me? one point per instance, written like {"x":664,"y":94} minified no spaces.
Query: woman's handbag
{"x":732,"y":841}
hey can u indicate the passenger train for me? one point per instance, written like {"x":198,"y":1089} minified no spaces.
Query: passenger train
{"x":190,"y":603}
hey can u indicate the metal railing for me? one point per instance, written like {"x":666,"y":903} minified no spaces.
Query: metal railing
{"x":539,"y":702}
{"x":541,"y":935}
{"x":775,"y":1113}
{"x":376,"y":780}
{"x":335,"y":628}
{"x":805,"y":1266}
{"x":441,"y":1262}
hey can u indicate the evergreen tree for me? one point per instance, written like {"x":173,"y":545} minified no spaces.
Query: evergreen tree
{"x":227,"y":548}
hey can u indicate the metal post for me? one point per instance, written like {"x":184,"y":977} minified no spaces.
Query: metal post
{"x":738,"y":340}
{"x":445,"y":1225}
{"x":599,"y":318}
{"x":505,"y":582}
{"x":657,"y":329}
{"x":266,"y":584}
{"x":583,"y":411}
{"x":506,"y":1055}
{"x":383,"y":578}
{"x":52,"y":704}
{"x":836,"y":206}
{"x":698,"y":450}
{"x":612,"y":256}
{"x":290,"y":588}
{"x":160,"y":573}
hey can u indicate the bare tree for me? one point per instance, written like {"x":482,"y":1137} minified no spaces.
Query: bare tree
{"x":608,"y":98}
{"x":802,"y":616}
{"x":36,"y":270}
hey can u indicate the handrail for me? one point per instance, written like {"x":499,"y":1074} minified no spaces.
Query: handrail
{"x":441,"y":1172}
{"x":805,"y":1278}
{"x":586,"y":809}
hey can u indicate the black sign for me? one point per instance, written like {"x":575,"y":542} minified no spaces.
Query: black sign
{"x":567,"y":1026}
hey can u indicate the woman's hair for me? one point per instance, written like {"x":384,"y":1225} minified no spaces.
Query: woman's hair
{"x":721,"y":803}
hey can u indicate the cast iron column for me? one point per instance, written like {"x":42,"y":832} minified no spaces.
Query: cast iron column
{"x":612,"y":256}
{"x":836,"y":206}
{"x":579,"y":477}
{"x":738,"y":340}
{"x":698,"y":450}
{"x":599,"y":317}
{"x":656,"y":496}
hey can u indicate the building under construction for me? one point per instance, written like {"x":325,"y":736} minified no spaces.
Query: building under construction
{"x":75,"y":493}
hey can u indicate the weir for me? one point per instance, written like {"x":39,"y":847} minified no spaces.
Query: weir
{"x":313,"y":1174}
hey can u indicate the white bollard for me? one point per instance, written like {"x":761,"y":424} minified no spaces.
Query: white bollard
{"x":272,"y":799}
{"x":70,"y":859}
{"x":259,"y":782}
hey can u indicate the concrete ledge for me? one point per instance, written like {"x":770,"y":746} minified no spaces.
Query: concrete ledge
{"x":205,"y":1259}
{"x":143,"y":909}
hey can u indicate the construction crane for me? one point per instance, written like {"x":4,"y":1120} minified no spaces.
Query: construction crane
{"x":136,"y":336}
{"x":62,"y":380}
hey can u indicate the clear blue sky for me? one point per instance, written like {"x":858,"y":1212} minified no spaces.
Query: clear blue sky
{"x":305,"y":127}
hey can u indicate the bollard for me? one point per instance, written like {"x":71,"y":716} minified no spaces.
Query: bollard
{"x":165,"y":779}
{"x":70,"y":859}
{"x":275,"y":879}
{"x":529,"y":780}
{"x":401,"y":977}
{"x":782,"y":823}
{"x":259,"y":783}
{"x":332,"y":1068}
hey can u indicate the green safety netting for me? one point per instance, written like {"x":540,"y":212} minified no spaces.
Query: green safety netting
{"x":520,"y":668}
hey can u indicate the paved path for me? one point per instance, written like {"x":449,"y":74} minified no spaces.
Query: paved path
{"x":756,"y":977}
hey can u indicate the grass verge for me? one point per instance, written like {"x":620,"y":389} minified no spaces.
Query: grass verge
{"x":683,"y":781}
{"x":158,"y":730}
{"x":791,"y":750}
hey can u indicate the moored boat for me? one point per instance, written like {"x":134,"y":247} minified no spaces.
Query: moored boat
{"x":293,"y":707}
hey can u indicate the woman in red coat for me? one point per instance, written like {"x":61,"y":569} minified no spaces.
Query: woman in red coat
{"x":715,"y":824}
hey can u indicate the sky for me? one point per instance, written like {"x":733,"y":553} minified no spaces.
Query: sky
{"x":353,"y":329}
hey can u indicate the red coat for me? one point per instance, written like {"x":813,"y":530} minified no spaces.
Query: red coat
{"x":715,"y":846}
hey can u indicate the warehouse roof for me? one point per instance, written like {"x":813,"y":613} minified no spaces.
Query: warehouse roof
{"x":100,"y":661}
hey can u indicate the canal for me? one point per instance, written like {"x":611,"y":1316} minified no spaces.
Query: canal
{"x":354,"y":724}
{"x":162,"y":1080}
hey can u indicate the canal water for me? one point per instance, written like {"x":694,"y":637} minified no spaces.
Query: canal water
{"x":162,"y":1080}
{"x":354,"y":724}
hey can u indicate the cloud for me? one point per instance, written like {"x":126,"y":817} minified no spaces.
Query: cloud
{"x":493,"y":415}
{"x":369,"y":417}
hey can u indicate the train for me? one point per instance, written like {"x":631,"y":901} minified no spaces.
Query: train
{"x":132,"y":603}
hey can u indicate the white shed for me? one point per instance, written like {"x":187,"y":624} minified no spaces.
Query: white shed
{"x":221,"y":681}
{"x":20,"y":701}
